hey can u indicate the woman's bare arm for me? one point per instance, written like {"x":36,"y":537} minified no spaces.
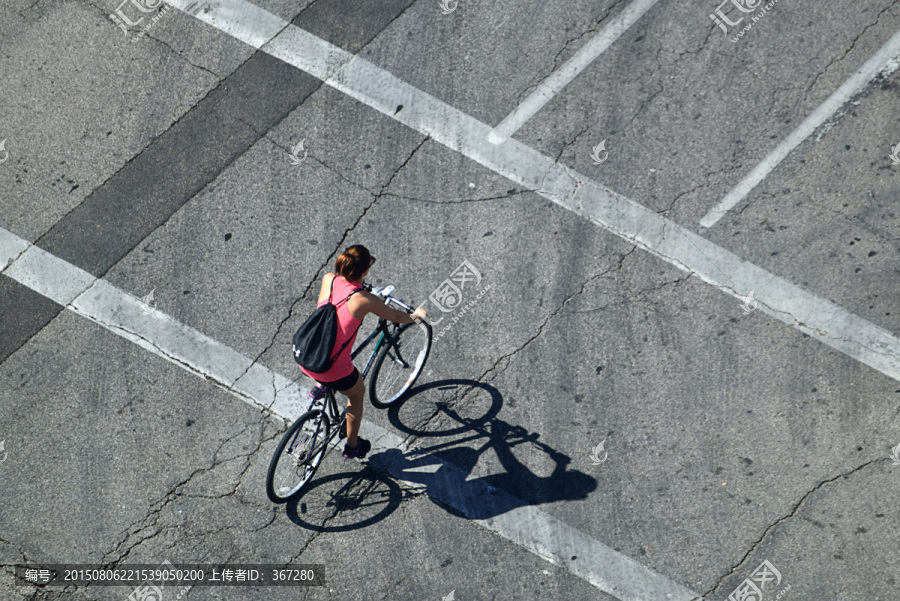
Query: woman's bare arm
{"x":325,"y":290}
{"x":369,"y":303}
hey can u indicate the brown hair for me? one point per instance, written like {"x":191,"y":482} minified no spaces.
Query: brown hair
{"x":353,"y":262}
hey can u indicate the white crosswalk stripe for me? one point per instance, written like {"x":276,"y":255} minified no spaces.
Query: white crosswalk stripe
{"x":126,"y":316}
{"x":884,"y":62}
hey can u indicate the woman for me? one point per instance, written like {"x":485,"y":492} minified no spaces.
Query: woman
{"x":344,"y":289}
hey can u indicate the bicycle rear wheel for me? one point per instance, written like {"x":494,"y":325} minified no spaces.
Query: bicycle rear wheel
{"x":399,"y":363}
{"x":297,"y":456}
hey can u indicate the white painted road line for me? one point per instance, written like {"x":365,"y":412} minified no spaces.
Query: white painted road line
{"x":884,"y":61}
{"x":375,"y":87}
{"x":512,"y":518}
{"x":241,"y":20}
{"x":713,"y":264}
{"x":11,"y":246}
{"x":560,"y":78}
{"x":529,"y":527}
{"x":153,"y":330}
{"x":158,"y":333}
{"x":48,"y":275}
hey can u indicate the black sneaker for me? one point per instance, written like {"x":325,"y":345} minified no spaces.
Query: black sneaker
{"x":359,"y":451}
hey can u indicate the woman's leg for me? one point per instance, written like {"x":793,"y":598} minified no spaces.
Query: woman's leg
{"x":354,"y":410}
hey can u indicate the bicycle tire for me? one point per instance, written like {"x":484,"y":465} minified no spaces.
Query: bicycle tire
{"x":381,"y":389}
{"x":305,"y":453}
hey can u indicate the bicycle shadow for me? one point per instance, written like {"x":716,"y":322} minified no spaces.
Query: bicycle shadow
{"x":440,"y":470}
{"x":445,"y":468}
{"x":365,"y":497}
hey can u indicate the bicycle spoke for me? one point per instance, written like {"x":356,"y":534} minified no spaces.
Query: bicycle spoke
{"x":397,"y":358}
{"x":297,"y":456}
{"x":394,"y":374}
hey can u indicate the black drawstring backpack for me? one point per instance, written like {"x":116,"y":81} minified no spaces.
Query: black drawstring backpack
{"x":314,"y":340}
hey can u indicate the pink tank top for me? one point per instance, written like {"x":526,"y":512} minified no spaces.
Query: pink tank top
{"x":348,"y":327}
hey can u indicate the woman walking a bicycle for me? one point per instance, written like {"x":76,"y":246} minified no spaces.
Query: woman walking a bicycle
{"x":344,"y":289}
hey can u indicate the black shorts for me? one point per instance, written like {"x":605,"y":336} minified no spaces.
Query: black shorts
{"x":345,"y":383}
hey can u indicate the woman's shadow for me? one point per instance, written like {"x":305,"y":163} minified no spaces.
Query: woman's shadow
{"x":444,"y":467}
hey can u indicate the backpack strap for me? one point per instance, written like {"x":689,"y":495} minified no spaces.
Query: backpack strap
{"x":348,"y":297}
{"x":343,"y":346}
{"x":330,"y":292}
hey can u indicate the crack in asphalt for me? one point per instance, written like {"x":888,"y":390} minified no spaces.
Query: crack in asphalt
{"x":780,"y":520}
{"x":850,"y":49}
{"x":154,"y":138}
{"x":509,"y":194}
{"x":16,"y":258}
{"x":364,"y":188}
{"x":183,"y":57}
{"x":566,"y":145}
{"x":376,"y":197}
{"x":706,"y":183}
{"x":541,"y":76}
{"x":21,"y":13}
{"x":508,"y":357}
{"x":17,"y":548}
{"x":731,"y":291}
{"x":330,"y":168}
{"x":679,"y":56}
{"x":304,"y":9}
{"x":410,"y":439}
{"x":177,"y":360}
{"x":645,"y":291}
{"x":146,"y":528}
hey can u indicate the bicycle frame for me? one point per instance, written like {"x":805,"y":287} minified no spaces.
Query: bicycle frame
{"x":323,"y":420}
{"x":325,"y":396}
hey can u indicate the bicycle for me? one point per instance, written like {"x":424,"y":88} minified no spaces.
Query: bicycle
{"x":298,"y":456}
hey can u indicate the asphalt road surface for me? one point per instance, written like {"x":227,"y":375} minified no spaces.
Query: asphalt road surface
{"x":672,"y":374}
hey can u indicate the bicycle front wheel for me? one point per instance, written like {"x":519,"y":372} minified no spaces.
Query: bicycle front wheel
{"x":297,"y":456}
{"x":399,"y":363}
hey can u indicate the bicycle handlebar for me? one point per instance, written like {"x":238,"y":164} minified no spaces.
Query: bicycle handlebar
{"x":384,"y":293}
{"x":399,"y":303}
